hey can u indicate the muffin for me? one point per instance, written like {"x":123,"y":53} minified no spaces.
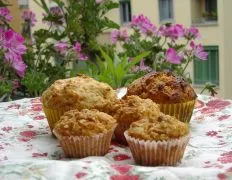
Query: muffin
{"x":160,"y":141}
{"x":81,"y":92}
{"x":131,"y":109}
{"x":85,"y":133}
{"x":174,"y":94}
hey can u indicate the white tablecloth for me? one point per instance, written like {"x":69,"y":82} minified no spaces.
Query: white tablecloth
{"x":28,"y":151}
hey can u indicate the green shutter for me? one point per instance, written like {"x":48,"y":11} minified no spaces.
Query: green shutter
{"x":207,"y":71}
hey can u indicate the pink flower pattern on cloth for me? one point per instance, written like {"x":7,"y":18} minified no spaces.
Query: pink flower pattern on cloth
{"x":28,"y":148}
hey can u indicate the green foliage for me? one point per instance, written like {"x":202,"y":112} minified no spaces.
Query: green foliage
{"x":5,"y":87}
{"x":36,"y":82}
{"x":115,"y":71}
{"x":75,"y":21}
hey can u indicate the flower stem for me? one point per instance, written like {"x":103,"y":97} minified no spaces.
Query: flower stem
{"x":186,"y":65}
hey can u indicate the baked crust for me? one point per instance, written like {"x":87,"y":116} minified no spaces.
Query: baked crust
{"x":84,"y":123}
{"x":162,"y":88}
{"x":81,"y":92}
{"x":163,"y":128}
{"x":133,"y":108}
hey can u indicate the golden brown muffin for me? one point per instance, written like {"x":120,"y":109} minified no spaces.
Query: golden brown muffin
{"x":81,"y":92}
{"x":133,"y":108}
{"x":163,"y":128}
{"x":84,"y":123}
{"x":162,"y":88}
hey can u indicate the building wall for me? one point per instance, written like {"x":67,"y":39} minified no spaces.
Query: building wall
{"x":16,"y":13}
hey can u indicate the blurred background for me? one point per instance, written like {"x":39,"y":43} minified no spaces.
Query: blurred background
{"x":211,"y":17}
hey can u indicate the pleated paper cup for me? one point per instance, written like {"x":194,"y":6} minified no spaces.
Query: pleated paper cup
{"x":84,"y":146}
{"x":53,"y":116}
{"x":157,"y":153}
{"x":182,"y":111}
{"x":119,"y":133}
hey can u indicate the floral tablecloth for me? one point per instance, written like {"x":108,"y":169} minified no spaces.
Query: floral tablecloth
{"x":29,"y":151}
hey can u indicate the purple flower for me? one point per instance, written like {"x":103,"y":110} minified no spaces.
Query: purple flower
{"x":174,"y":31}
{"x":12,"y":44}
{"x":57,"y":14}
{"x":173,"y":57}
{"x":77,"y":47}
{"x":5,"y":14}
{"x":141,"y":67}
{"x":29,"y":17}
{"x":99,"y":1}
{"x":192,"y":33}
{"x":119,"y":35}
{"x":198,"y":51}
{"x":143,"y":24}
{"x":61,"y":47}
{"x":83,"y":57}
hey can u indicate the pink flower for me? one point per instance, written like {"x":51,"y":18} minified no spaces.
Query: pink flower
{"x":29,"y":17}
{"x":143,"y":24}
{"x":77,"y":47}
{"x":198,"y":51}
{"x":121,"y":157}
{"x":173,"y":57}
{"x":122,"y":169}
{"x":12,"y":43}
{"x":61,"y":47}
{"x":5,"y":14}
{"x":173,"y":31}
{"x":124,"y":177}
{"x":80,"y":175}
{"x":99,"y":1}
{"x":211,"y":133}
{"x":141,"y":67}
{"x":28,"y":134}
{"x":191,"y":33}
{"x":119,"y":35}
{"x":83,"y":57}
{"x":57,"y":14}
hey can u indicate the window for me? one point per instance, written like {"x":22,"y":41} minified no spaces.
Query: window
{"x":207,"y":71}
{"x":125,"y":11}
{"x":211,"y":10}
{"x":23,"y":4}
{"x":166,"y":10}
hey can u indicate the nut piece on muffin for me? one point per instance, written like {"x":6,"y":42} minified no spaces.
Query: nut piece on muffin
{"x":160,"y":141}
{"x":81,"y":92}
{"x":131,"y":109}
{"x":174,"y":94}
{"x":85,"y":133}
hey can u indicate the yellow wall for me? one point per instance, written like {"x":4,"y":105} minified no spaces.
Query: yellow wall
{"x":15,"y":12}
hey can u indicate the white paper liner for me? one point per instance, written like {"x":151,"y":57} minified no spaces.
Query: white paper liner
{"x":84,"y":146}
{"x":157,"y":153}
{"x":119,"y":133}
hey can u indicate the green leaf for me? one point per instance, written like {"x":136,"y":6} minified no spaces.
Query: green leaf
{"x":110,"y":24}
{"x":137,"y":59}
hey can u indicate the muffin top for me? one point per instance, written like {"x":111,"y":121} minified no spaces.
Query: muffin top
{"x":162,"y":88}
{"x":133,"y":108}
{"x":81,"y":92}
{"x":84,"y":123}
{"x":163,"y":128}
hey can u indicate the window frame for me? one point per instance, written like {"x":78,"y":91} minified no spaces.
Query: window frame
{"x":170,"y":19}
{"x":128,"y":12}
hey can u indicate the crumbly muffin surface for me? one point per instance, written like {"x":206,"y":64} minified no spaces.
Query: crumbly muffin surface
{"x":78,"y":93}
{"x":133,"y":108}
{"x":162,"y":88}
{"x":163,"y":128}
{"x":84,"y":123}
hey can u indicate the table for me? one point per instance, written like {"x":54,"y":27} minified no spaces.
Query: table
{"x":28,"y":150}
